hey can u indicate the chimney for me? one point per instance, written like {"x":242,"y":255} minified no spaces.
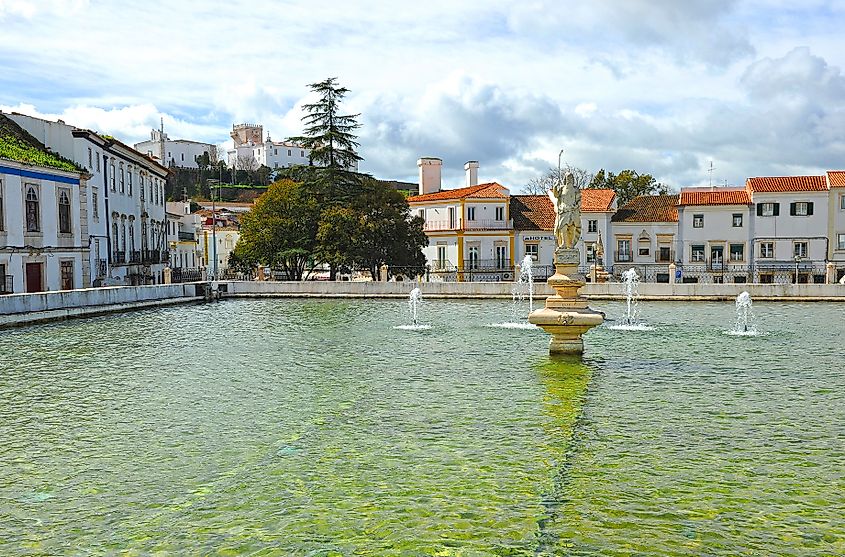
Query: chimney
{"x":430,"y":168}
{"x":471,"y":168}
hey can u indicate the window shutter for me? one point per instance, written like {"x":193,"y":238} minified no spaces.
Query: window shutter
{"x":792,"y":210}
{"x":777,"y":209}
{"x":810,"y":208}
{"x":759,"y":209}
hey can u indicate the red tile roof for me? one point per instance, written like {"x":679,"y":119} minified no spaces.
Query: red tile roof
{"x":702,"y":196}
{"x":836,"y":178}
{"x":770,"y":184}
{"x":649,"y":208}
{"x":596,"y":200}
{"x":491,"y":190}
{"x":532,"y":212}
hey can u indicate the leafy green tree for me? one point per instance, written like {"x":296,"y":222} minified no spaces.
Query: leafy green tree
{"x":281,"y":229}
{"x":628,"y":184}
{"x":336,"y":237}
{"x":329,"y":134}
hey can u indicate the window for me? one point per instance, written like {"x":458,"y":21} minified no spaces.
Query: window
{"x":799,"y":249}
{"x":441,"y":257}
{"x":67,"y":275}
{"x":288,"y":152}
{"x":421,"y":213}
{"x":697,"y":253}
{"x":534,"y":251}
{"x":801,"y":209}
{"x":95,"y":204}
{"x":768,"y":209}
{"x":592,"y":225}
{"x":767,"y":250}
{"x":470,"y":213}
{"x":665,"y":254}
{"x":590,"y":252}
{"x":275,"y":151}
{"x":90,"y":158}
{"x":451,"y":217}
{"x":32,"y":210}
{"x":767,"y":278}
{"x":302,"y":153}
{"x":64,"y":212}
{"x":500,"y":213}
{"x":97,"y":156}
{"x":130,"y":181}
{"x":840,"y":241}
{"x":473,"y":257}
{"x":842,"y":202}
{"x":502,"y":257}
{"x":623,"y":249}
{"x":183,"y":157}
{"x":2,"y":220}
{"x":644,"y":250}
{"x":122,"y":180}
{"x":737,"y":252}
{"x":113,"y":179}
{"x":737,"y":220}
{"x":698,"y":221}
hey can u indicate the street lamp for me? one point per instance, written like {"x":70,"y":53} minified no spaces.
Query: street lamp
{"x":797,"y":259}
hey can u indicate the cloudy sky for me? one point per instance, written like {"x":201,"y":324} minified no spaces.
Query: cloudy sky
{"x":660,"y":86}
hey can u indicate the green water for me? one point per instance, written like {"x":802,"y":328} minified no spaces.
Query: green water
{"x":315,"y":428}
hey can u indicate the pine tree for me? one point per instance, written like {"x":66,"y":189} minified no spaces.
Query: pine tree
{"x":328,"y":134}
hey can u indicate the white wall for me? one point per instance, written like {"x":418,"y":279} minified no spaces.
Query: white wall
{"x":786,"y":229}
{"x":47,"y":247}
{"x":180,"y":152}
{"x":718,"y":230}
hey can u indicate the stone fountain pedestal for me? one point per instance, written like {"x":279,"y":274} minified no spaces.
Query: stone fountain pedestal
{"x":566,"y":315}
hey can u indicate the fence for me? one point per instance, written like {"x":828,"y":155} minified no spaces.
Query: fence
{"x":7,"y":284}
{"x":179,"y":275}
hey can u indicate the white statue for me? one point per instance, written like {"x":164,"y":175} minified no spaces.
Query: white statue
{"x":566,"y":198}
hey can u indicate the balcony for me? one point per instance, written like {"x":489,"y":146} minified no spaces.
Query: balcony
{"x":152,"y":257}
{"x":487,"y":264}
{"x":187,"y":237}
{"x":7,"y":284}
{"x":486,"y":224}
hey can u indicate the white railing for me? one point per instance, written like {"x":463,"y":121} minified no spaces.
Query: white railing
{"x":486,"y":224}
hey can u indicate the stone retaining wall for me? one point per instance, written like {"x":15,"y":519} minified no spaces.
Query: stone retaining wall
{"x":20,"y":309}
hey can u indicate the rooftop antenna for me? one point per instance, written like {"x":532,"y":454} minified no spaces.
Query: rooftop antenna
{"x":710,"y":170}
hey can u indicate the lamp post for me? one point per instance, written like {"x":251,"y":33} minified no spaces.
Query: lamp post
{"x":797,"y":259}
{"x":214,"y":227}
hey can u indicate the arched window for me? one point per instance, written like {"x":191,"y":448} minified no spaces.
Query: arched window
{"x":130,"y":171}
{"x":132,"y":234}
{"x":114,"y":237}
{"x":64,"y":212}
{"x":122,"y":180}
{"x":123,"y":234}
{"x":32,"y":210}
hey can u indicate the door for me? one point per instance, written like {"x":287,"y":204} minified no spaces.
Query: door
{"x":717,"y":256}
{"x":501,"y":257}
{"x":34,"y":278}
{"x":451,"y":217}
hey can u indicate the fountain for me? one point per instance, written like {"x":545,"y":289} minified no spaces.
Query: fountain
{"x":631,"y":280}
{"x":523,"y":288}
{"x":566,"y":315}
{"x":414,"y":300}
{"x":744,"y":325}
{"x":526,"y":277}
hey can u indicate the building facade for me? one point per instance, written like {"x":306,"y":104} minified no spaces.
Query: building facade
{"x":44,"y":240}
{"x":124,"y":202}
{"x":180,"y":153}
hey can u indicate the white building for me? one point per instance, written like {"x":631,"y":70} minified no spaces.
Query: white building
{"x":790,"y":228}
{"x":125,"y":201}
{"x":470,"y":231}
{"x":44,"y":241}
{"x":180,"y":153}
{"x":183,"y":236}
{"x":836,"y":224}
{"x":643,"y":236}
{"x":251,"y":150}
{"x":715,"y":232}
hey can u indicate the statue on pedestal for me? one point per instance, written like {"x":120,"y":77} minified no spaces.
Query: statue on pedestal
{"x":566,"y":198}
